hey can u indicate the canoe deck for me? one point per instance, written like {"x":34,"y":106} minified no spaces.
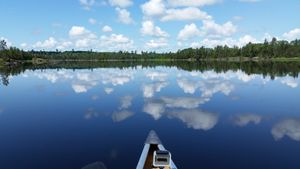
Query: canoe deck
{"x":149,"y":160}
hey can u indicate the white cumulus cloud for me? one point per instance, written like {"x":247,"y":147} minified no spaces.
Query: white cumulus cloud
{"x":116,"y":42}
{"x":157,"y":43}
{"x":195,"y":3}
{"x":121,"y":3}
{"x":212,"y":29}
{"x":80,"y":31}
{"x":153,"y":8}
{"x":189,"y":13}
{"x":292,"y":35}
{"x":107,"y":28}
{"x":148,"y":28}
{"x":188,"y":32}
{"x":8,"y":43}
{"x":208,"y":42}
{"x":124,"y":16}
{"x":64,"y":45}
{"x":47,"y":44}
{"x":250,"y":1}
{"x":87,"y":4}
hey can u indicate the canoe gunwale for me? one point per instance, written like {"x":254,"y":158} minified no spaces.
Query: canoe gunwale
{"x":143,"y":157}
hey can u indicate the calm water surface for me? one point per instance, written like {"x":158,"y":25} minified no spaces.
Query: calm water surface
{"x":66,"y":119}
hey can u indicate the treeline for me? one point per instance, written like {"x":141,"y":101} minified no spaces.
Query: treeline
{"x":265,"y":68}
{"x":266,"y":50}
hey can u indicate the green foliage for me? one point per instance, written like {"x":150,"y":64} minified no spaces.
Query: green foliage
{"x":3,"y":45}
{"x":267,"y":50}
{"x":265,"y":68}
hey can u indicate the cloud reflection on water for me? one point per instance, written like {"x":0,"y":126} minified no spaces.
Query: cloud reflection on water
{"x":289,"y":81}
{"x":193,"y":118}
{"x":155,"y":109}
{"x":159,"y":76}
{"x":126,"y":102}
{"x":289,"y":127}
{"x":245,"y":119}
{"x":196,"y":118}
{"x":122,"y":115}
{"x":208,"y":87}
{"x":83,"y":81}
{"x":182,"y":102}
{"x":150,"y":89}
{"x":208,"y":82}
{"x":108,"y":90}
{"x":198,"y":89}
{"x":91,"y":113}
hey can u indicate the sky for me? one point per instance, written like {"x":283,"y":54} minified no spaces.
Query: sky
{"x":148,"y":25}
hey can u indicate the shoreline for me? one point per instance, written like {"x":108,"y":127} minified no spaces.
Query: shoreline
{"x":38,"y":61}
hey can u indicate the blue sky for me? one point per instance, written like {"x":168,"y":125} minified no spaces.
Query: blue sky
{"x":153,"y":25}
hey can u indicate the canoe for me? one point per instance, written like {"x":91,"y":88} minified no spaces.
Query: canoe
{"x":154,"y":154}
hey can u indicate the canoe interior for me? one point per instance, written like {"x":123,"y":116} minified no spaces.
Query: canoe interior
{"x":149,"y":159}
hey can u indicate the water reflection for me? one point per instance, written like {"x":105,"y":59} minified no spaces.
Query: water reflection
{"x":150,"y":89}
{"x":126,"y":102}
{"x":158,"y":76}
{"x":95,"y":165}
{"x":117,"y":77}
{"x":196,"y":118}
{"x":198,"y":88}
{"x":204,"y":106}
{"x":289,"y":127}
{"x":82,"y":82}
{"x":108,"y":90}
{"x":183,"y":109}
{"x":95,"y":97}
{"x":245,"y":119}
{"x":208,"y":82}
{"x":91,"y":113}
{"x":122,"y":115}
{"x":188,"y":86}
{"x":291,"y":82}
{"x":183,"y":102}
{"x":154,"y":108}
{"x":207,"y":85}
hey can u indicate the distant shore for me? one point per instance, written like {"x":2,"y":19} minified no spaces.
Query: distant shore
{"x":275,"y":50}
{"x":231,"y":59}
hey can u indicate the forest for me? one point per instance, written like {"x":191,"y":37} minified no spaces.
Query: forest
{"x":267,"y":50}
{"x":265,"y":68}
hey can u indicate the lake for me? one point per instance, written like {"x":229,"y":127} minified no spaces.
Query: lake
{"x":220,"y":115}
